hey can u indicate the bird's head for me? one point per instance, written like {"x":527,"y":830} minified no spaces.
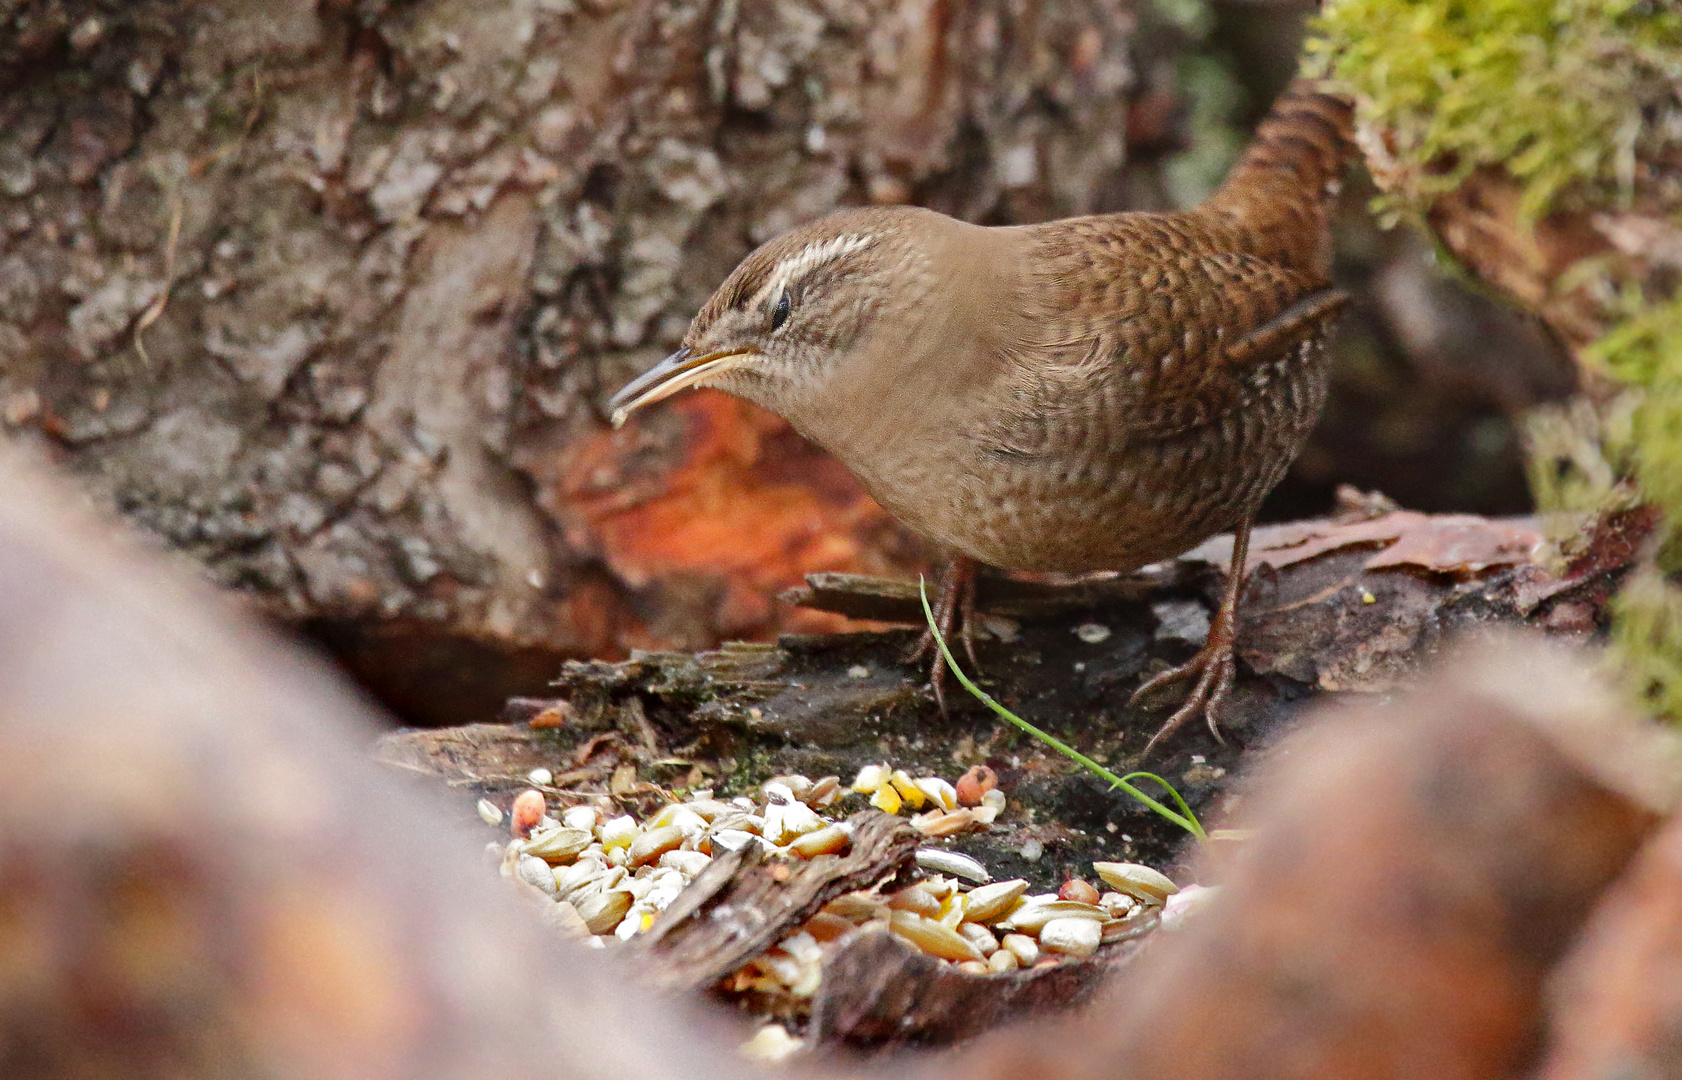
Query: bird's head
{"x":790,"y":317}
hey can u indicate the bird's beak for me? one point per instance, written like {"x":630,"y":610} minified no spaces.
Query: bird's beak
{"x":674,"y":373}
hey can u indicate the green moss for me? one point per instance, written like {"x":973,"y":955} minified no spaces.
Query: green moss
{"x":1645,"y":348}
{"x":1589,"y":459}
{"x":1551,"y":91}
{"x":1566,"y":97}
{"x":1576,"y":455}
{"x":1644,"y":351}
{"x":1647,"y":636}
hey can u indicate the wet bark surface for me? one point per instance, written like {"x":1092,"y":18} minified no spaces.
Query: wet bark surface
{"x":744,"y":903}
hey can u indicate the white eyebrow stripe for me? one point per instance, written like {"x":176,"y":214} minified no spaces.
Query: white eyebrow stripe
{"x":807,"y":259}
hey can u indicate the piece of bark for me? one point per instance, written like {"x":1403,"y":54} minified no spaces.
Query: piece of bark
{"x":1615,"y":1005}
{"x":829,"y":705}
{"x":880,"y":992}
{"x":327,"y":296}
{"x":1415,"y":872}
{"x":201,"y":873}
{"x":858,"y":596}
{"x":746,"y":901}
{"x":1319,"y":611}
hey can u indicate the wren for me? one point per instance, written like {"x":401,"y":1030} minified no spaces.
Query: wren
{"x":1094,"y":393}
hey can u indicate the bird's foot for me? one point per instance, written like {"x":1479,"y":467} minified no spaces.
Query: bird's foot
{"x":1214,"y":668}
{"x":954,"y":606}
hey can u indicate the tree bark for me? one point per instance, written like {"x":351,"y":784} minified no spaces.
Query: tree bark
{"x":327,"y":295}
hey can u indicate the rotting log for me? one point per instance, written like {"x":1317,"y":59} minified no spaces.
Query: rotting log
{"x":1343,"y":606}
{"x":197,"y":866}
{"x":1415,"y":871}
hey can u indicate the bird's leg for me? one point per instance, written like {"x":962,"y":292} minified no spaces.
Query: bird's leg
{"x":1213,"y":667}
{"x":954,"y":606}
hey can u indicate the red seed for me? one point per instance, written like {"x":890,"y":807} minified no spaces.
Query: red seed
{"x":527,"y":812}
{"x":1078,"y":890}
{"x":974,"y":784}
{"x":556,"y":715}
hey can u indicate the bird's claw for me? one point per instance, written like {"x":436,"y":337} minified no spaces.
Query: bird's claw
{"x":1214,"y":669}
{"x":954,"y":607}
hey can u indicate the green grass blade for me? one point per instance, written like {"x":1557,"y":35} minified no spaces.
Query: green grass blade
{"x":1184,"y":818}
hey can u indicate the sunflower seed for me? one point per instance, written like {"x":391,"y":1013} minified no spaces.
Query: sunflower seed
{"x":1032,"y":917}
{"x":931,"y":937}
{"x":560,"y":845}
{"x":1136,"y":880}
{"x":952,"y":862}
{"x":991,"y":902}
{"x":1074,"y":937}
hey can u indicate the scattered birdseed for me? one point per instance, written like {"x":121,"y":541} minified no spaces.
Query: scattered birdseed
{"x":527,"y":812}
{"x":858,"y":671}
{"x":611,"y":877}
{"x":771,"y":1043}
{"x":1092,"y":633}
{"x":540,"y":776}
{"x":1185,"y":904}
{"x":953,"y":862}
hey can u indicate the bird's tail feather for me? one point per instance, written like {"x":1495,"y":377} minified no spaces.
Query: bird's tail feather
{"x":1284,"y":186}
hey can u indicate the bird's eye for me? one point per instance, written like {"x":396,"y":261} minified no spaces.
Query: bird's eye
{"x":779,"y":314}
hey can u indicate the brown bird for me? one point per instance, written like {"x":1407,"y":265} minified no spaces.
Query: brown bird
{"x":1095,"y":393}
